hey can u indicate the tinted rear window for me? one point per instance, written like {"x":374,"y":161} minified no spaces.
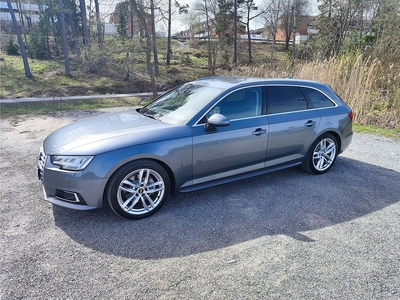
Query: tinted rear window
{"x":317,"y":99}
{"x":285,"y":99}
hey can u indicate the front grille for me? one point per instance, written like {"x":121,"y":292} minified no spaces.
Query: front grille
{"x":41,"y":162}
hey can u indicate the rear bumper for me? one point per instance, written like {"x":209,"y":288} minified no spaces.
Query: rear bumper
{"x":346,"y":142}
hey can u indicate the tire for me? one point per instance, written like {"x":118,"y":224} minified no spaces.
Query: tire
{"x":138,"y":189}
{"x":322,"y":155}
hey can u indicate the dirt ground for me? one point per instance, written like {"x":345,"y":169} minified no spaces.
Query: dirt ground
{"x":285,"y":235}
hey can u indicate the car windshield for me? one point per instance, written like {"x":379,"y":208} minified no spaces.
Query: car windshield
{"x":181,"y":104}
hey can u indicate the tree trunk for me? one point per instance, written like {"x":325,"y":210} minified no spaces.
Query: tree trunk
{"x":169,"y":34}
{"x":98,"y":22}
{"x":153,"y":32}
{"x":249,"y":39}
{"x":210,"y":61}
{"x":148,"y":46}
{"x":64,"y":39}
{"x":86,"y":36}
{"x":70,"y":22}
{"x":20,"y":41}
{"x":21,"y":15}
{"x":235,"y":35}
{"x":131,"y":16}
{"x":127,"y":67}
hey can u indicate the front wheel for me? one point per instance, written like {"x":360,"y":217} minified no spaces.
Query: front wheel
{"x":138,"y":189}
{"x":322,"y":155}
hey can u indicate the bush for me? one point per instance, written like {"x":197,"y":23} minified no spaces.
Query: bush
{"x":37,"y":45}
{"x":11,"y":48}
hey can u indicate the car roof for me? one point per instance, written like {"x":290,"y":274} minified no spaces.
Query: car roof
{"x":227,"y":82}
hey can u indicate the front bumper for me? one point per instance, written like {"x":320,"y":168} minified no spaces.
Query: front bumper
{"x":80,"y":190}
{"x":61,"y":202}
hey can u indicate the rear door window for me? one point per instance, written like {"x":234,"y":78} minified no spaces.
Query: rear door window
{"x":285,"y":99}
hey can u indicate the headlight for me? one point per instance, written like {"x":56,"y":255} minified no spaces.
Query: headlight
{"x":71,"y":163}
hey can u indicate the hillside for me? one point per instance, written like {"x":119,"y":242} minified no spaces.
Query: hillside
{"x":189,"y":61}
{"x":370,"y":87}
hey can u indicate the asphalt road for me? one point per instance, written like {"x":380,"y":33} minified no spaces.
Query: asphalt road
{"x":285,"y":235}
{"x":64,"y":98}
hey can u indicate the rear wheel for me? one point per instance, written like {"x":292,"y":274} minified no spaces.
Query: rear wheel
{"x":138,"y":189}
{"x":322,"y":155}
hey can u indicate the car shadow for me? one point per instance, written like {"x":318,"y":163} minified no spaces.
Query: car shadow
{"x":288,"y":202}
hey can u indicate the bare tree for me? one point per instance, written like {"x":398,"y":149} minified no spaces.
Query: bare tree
{"x":98,"y":23}
{"x":207,"y":10}
{"x":86,"y":36}
{"x":64,"y":38}
{"x":385,"y":22}
{"x":249,"y":7}
{"x":154,"y":37}
{"x":169,"y":51}
{"x":167,"y":15}
{"x":192,"y":21}
{"x":289,"y":9}
{"x":20,"y":41}
{"x":272,"y":16}
{"x":20,"y":12}
{"x":334,"y":22}
{"x":143,"y":23}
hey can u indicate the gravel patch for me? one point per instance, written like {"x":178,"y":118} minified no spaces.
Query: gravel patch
{"x":285,"y":235}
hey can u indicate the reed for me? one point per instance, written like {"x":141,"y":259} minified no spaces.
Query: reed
{"x":370,"y":87}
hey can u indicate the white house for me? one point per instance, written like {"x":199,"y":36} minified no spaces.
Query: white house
{"x":28,"y":12}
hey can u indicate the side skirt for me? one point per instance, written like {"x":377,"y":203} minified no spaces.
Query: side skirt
{"x":203,"y":185}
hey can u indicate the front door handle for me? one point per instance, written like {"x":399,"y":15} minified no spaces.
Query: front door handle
{"x":259,"y":131}
{"x":310,"y":123}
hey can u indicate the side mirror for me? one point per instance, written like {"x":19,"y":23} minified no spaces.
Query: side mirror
{"x":217,"y":120}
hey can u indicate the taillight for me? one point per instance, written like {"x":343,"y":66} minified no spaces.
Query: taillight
{"x":351,"y":116}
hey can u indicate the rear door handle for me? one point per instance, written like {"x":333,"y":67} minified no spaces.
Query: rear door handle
{"x":310,"y":123}
{"x":259,"y":131}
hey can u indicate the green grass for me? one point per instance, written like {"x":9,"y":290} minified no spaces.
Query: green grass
{"x":353,"y":78}
{"x":390,"y":133}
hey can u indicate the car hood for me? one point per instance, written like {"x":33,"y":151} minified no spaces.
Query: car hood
{"x":109,"y":132}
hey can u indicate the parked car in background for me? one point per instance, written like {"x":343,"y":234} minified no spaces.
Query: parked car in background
{"x":203,"y":133}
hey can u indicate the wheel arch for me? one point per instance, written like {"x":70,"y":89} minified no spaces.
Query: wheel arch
{"x":307,"y":161}
{"x":337,"y":137}
{"x":160,"y":162}
{"x":333,"y":133}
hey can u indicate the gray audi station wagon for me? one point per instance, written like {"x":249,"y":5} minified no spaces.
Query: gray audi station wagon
{"x":203,"y":133}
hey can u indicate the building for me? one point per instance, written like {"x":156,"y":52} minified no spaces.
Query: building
{"x":304,"y":27}
{"x":110,"y":29}
{"x":27,"y":15}
{"x":200,"y":31}
{"x":132,"y":21}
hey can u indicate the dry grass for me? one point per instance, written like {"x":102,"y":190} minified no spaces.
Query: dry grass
{"x":370,"y":88}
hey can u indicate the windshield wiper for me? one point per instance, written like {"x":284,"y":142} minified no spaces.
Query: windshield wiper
{"x":155,"y":117}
